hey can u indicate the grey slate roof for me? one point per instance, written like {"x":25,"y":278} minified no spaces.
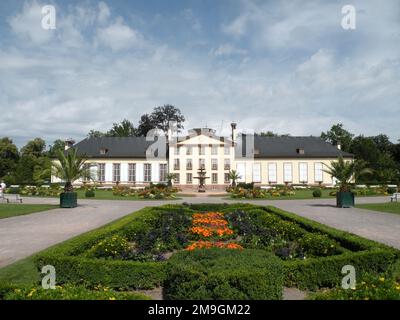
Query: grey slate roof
{"x":287,"y":147}
{"x":265,"y":147}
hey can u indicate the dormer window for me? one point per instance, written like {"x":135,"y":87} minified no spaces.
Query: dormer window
{"x":300,"y":151}
{"x":103,"y":151}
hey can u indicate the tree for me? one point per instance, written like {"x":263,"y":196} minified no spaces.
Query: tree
{"x":9,"y":157}
{"x":95,"y":134}
{"x":233,"y":175}
{"x":162,"y":116}
{"x":345,"y":172}
{"x":145,"y":125}
{"x":338,"y":135}
{"x":123,"y":129}
{"x":55,"y":147}
{"x":271,"y":134}
{"x":71,"y":167}
{"x":35,"y":147}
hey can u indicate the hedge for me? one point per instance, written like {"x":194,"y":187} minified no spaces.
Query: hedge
{"x":72,"y":266}
{"x":224,"y":274}
{"x":67,"y":292}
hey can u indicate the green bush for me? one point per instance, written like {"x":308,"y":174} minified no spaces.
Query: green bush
{"x":369,"y":287}
{"x":317,"y":193}
{"x":116,"y":247}
{"x":224,"y":274}
{"x":89,"y":193}
{"x":67,"y":292}
{"x":318,"y":245}
{"x":391,"y":190}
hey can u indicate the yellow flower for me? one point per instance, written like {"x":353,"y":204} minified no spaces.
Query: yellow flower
{"x":112,"y":298}
{"x":31,"y":292}
{"x":381,"y":279}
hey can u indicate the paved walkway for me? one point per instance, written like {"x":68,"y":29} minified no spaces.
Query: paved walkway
{"x":23,"y":236}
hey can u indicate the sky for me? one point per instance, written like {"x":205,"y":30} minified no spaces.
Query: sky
{"x":282,"y":66}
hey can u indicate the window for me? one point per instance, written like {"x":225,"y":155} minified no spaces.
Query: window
{"x":189,"y":151}
{"x":189,"y":178}
{"x":287,"y":172}
{"x":318,"y":173}
{"x":176,"y":164}
{"x":214,"y":164}
{"x":303,"y":172}
{"x":300,"y":151}
{"x":214,"y":150}
{"x":227,"y":150}
{"x":103,"y":151}
{"x":214,"y":178}
{"x":202,"y":163}
{"x":163,"y":172}
{"x":227,"y":164}
{"x":202,"y":150}
{"x":177,"y":150}
{"x":272,"y":173}
{"x":147,"y":172}
{"x":132,"y":172}
{"x":101,"y":172}
{"x":177,"y":178}
{"x":241,"y":170}
{"x":189,"y":164}
{"x":256,"y":172}
{"x":226,"y":178}
{"x":116,"y":172}
{"x":86,"y":166}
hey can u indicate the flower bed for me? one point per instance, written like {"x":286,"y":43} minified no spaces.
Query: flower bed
{"x":137,"y":251}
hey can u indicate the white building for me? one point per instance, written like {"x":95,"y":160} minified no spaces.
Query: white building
{"x":259,"y":159}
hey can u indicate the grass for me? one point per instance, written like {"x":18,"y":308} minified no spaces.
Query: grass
{"x":12,"y":210}
{"x":390,"y":207}
{"x":22,"y":272}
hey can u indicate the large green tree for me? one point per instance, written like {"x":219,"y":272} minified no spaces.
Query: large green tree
{"x":338,"y":135}
{"x":123,"y":129}
{"x":9,"y":157}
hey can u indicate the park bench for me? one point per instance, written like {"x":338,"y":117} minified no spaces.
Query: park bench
{"x":13,"y":197}
{"x":395,"y":197}
{"x":3,"y":198}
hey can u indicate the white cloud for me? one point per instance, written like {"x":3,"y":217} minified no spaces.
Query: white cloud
{"x":104,"y":12}
{"x":119,"y":36}
{"x":28,"y":24}
{"x":227,"y":49}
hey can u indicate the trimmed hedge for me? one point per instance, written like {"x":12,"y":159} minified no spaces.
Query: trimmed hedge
{"x":223,"y":274}
{"x":74,"y":266}
{"x":67,"y":292}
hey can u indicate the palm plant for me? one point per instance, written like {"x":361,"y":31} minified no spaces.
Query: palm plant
{"x":234,"y":175}
{"x":170,"y":177}
{"x":345,"y":172}
{"x":71,"y":167}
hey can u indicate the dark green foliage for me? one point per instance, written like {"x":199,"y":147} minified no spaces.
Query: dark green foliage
{"x":318,"y":245}
{"x":224,"y":274}
{"x":67,"y":292}
{"x":247,"y":186}
{"x":317,"y":193}
{"x":90,"y":193}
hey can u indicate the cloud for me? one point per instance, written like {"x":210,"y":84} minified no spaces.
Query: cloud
{"x":119,"y":36}
{"x":227,"y":49}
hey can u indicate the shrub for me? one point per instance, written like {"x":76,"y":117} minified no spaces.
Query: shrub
{"x":115,"y":247}
{"x":223,"y":274}
{"x":89,"y":193}
{"x":318,"y":245}
{"x":317,"y":193}
{"x":369,"y":287}
{"x":244,"y":185}
{"x":68,"y":292}
{"x":391,"y":190}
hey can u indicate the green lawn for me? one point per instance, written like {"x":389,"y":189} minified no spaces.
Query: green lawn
{"x":12,"y":210}
{"x":22,"y":272}
{"x":391,"y":207}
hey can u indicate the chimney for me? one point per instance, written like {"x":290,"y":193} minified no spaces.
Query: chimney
{"x":68,"y":144}
{"x":233,"y":126}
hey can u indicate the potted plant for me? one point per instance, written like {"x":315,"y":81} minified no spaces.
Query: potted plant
{"x":345,"y":172}
{"x":69,"y":168}
{"x":234,"y":175}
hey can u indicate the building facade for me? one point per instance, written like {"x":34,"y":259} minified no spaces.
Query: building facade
{"x":266,"y":161}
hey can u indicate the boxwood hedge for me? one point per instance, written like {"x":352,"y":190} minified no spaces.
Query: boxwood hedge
{"x":72,"y":266}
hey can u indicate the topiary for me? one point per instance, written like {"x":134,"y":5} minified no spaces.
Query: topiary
{"x":317,"y":193}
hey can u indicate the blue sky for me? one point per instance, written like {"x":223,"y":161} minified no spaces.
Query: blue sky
{"x":285,"y":66}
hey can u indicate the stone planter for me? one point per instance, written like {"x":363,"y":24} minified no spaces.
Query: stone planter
{"x":68,"y":200}
{"x":344,"y":199}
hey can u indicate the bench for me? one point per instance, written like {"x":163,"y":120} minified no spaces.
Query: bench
{"x":3,"y":198}
{"x":395,"y":196}
{"x":14,"y":197}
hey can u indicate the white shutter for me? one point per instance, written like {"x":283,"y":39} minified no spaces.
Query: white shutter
{"x":272,"y":173}
{"x":303,"y":172}
{"x":287,"y":172}
{"x":241,"y":170}
{"x":318,"y":173}
{"x":256,"y":172}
